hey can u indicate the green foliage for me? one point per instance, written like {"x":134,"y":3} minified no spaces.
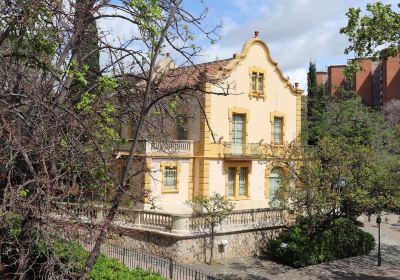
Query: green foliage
{"x":11,"y":224}
{"x":23,"y":193}
{"x":316,"y":107}
{"x":78,"y":74}
{"x":340,"y":239}
{"x":214,"y":208}
{"x":102,"y":113}
{"x":107,"y":83}
{"x":86,"y":101}
{"x":149,"y":13}
{"x":111,"y":269}
{"x":354,"y":166}
{"x":373,"y":34}
{"x":70,"y":252}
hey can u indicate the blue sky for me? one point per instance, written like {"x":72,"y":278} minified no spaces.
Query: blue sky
{"x":296,"y":31}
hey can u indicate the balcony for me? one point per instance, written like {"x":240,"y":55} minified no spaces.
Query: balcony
{"x":245,"y":150}
{"x":167,"y":147}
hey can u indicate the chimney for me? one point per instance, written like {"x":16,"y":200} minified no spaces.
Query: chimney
{"x":167,"y":54}
{"x":256,"y":33}
{"x":296,"y":85}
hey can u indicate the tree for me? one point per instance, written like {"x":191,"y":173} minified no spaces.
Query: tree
{"x":214,"y":209}
{"x":391,"y":110}
{"x":373,"y":34}
{"x":353,"y":168}
{"x":316,"y":106}
{"x":60,"y":112}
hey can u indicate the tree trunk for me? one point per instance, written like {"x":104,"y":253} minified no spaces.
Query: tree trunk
{"x":24,"y":244}
{"x":102,"y":234}
{"x":212,"y":243}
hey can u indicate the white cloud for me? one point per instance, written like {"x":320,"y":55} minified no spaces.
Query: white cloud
{"x":298,"y":76}
{"x":296,"y":31}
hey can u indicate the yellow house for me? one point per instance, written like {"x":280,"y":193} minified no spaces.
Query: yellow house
{"x":218,"y":149}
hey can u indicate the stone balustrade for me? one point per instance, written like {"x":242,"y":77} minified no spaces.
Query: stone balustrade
{"x":182,"y":147}
{"x":173,"y":224}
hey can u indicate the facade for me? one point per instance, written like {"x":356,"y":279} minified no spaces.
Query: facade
{"x":376,"y":83}
{"x":218,"y":150}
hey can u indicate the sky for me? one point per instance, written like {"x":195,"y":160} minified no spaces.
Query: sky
{"x":296,"y":31}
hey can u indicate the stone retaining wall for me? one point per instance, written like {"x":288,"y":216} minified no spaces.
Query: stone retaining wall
{"x":193,"y":249}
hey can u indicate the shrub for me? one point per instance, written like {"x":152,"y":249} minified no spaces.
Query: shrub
{"x":341,"y":239}
{"x":70,"y":252}
{"x":111,"y":269}
{"x":345,"y":239}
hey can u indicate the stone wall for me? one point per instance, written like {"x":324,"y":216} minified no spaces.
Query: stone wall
{"x":193,"y":249}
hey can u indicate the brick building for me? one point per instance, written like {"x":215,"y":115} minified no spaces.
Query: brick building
{"x":377,"y":83}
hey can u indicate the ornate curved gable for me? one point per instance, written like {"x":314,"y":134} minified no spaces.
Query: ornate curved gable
{"x":239,"y":57}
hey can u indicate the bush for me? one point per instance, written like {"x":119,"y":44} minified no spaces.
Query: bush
{"x":70,"y":252}
{"x":341,"y":239}
{"x":111,"y":269}
{"x":104,"y":269}
{"x":347,"y":240}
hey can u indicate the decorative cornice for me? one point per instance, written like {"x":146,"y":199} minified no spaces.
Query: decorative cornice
{"x":239,"y":57}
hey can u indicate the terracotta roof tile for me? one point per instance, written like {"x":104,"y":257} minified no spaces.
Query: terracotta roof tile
{"x":191,"y":76}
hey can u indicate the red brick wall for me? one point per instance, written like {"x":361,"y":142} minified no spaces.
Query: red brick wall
{"x":391,"y":79}
{"x":322,"y":78}
{"x":363,"y":81}
{"x":336,"y":79}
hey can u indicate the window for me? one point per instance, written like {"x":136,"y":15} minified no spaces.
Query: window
{"x":170,"y":177}
{"x":257,"y":83}
{"x":257,"y":75}
{"x":181,"y":127}
{"x":237,"y":133}
{"x":260,"y":84}
{"x":275,"y":178}
{"x":231,"y":181}
{"x":254,"y":82}
{"x":277,"y":130}
{"x":237,"y":181}
{"x":181,"y":131}
{"x":243,"y":181}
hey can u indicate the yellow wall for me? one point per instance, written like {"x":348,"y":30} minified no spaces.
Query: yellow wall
{"x":204,"y":173}
{"x":175,"y":201}
{"x":277,"y":98}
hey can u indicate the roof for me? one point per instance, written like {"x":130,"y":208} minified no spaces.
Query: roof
{"x":193,"y":76}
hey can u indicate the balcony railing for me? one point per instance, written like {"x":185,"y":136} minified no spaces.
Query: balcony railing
{"x":160,"y":147}
{"x":172,"y":224}
{"x":242,"y":149}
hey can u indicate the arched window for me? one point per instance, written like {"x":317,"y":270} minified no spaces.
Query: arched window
{"x":275,"y":177}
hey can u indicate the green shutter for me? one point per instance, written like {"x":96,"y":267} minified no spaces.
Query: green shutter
{"x":260,"y":83}
{"x":243,"y":181}
{"x":237,"y":133}
{"x":274,"y":183}
{"x":231,"y":181}
{"x":254,"y":82}
{"x":277,"y":130}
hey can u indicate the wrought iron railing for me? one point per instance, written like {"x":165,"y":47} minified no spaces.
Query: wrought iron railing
{"x":243,"y":149}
